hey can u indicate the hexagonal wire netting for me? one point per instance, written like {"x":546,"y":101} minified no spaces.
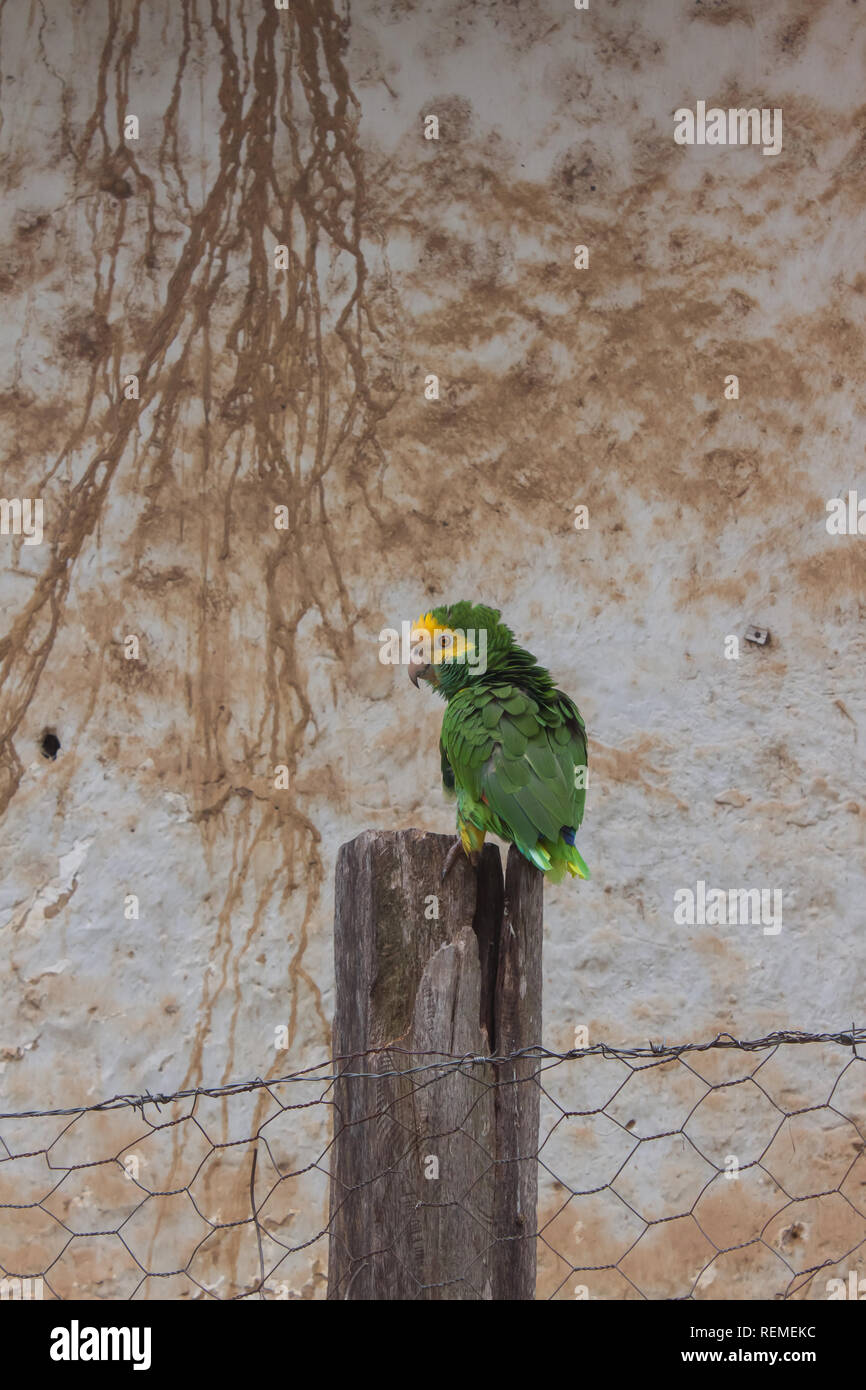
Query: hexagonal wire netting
{"x":726,"y":1170}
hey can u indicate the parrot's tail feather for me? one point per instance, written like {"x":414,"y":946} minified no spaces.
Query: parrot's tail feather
{"x":540,"y":857}
{"x":577,"y":866}
{"x":557,"y":859}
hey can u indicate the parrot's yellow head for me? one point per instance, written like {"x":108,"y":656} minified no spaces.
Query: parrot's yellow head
{"x":435,"y":643}
{"x":448,"y":648}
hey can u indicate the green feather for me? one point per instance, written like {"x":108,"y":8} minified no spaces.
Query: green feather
{"x":542,"y":760}
{"x":491,"y":715}
{"x":518,"y":704}
{"x":511,"y":745}
{"x":517,"y":770}
{"x":513,"y":741}
{"x":526,"y":723}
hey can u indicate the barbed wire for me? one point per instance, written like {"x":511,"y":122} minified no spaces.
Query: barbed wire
{"x":234,"y":1185}
{"x":851,"y":1037}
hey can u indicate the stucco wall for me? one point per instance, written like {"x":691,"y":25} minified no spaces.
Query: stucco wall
{"x":304,"y":389}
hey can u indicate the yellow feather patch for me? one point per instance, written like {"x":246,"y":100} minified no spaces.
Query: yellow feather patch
{"x":440,"y":643}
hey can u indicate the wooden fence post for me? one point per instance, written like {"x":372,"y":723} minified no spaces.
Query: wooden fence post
{"x":434,"y":1173}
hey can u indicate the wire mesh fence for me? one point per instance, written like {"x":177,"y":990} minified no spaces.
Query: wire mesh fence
{"x":725,"y":1169}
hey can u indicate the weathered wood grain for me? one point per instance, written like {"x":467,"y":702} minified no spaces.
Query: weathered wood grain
{"x":426,"y":969}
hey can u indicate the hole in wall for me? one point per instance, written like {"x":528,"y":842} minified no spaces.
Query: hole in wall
{"x":49,"y":744}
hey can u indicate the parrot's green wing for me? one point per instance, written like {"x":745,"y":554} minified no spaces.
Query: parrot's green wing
{"x":519,"y":767}
{"x":447,"y":770}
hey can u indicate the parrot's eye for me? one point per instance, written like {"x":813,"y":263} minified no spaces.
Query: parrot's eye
{"x":446,"y":640}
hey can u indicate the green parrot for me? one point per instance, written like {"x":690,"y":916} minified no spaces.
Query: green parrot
{"x":513,"y":747}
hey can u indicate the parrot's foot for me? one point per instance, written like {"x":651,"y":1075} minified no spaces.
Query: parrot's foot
{"x":451,"y":857}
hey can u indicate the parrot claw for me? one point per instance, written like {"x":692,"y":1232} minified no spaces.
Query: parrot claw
{"x":451,"y":857}
{"x":453,"y":854}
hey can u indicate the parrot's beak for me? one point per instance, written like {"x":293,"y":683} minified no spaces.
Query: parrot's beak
{"x":418,"y":671}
